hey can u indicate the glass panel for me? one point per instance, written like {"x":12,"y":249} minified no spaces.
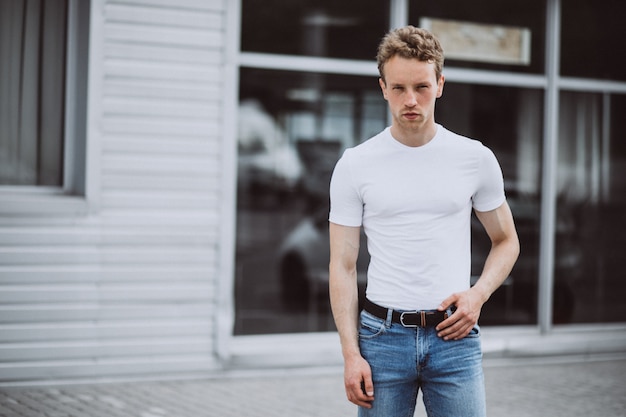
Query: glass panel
{"x":509,"y":121}
{"x":593,"y":36}
{"x":528,"y":14}
{"x":325,"y":28}
{"x":592,"y":207}
{"x":292,"y":128}
{"x":32,"y":74}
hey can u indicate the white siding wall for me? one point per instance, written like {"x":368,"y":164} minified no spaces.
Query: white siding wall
{"x":130,"y":288}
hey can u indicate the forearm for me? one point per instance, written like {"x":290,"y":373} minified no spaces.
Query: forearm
{"x":498,"y":266}
{"x":344,"y":304}
{"x":504,"y":250}
{"x":344,"y":251}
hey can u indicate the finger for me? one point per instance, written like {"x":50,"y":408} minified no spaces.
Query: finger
{"x":457,"y":331}
{"x":361,"y":403}
{"x":449,"y":332}
{"x":461,"y":334}
{"x":358,"y":397}
{"x":447,"y":302}
{"x":357,"y":391}
{"x":452,"y":327}
{"x":368,"y":386}
{"x":454,"y":318}
{"x":450,"y":321}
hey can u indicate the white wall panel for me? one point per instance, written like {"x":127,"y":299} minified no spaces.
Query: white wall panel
{"x":162,"y":71}
{"x":72,"y":311}
{"x":163,"y":53}
{"x":32,"y":273}
{"x":158,"y":127}
{"x":184,"y":37}
{"x":189,"y":18}
{"x":128,"y":286}
{"x":200,"y":5}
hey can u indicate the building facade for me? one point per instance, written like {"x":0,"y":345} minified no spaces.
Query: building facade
{"x":164,"y":168}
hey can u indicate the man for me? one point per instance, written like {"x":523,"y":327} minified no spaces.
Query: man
{"x":412,"y":188}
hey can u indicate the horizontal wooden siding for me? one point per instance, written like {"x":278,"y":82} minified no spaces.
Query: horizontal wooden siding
{"x":129,"y":289}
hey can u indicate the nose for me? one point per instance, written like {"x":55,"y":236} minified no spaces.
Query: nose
{"x":411,"y":99}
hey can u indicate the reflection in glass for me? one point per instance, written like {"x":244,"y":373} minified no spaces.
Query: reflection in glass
{"x":32,"y":102}
{"x":324,"y":28}
{"x":592,"y":193}
{"x":592,"y":39}
{"x":509,"y":121}
{"x":292,"y":129}
{"x":528,"y":14}
{"x":282,"y":237}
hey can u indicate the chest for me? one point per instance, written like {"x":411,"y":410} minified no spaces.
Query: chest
{"x":433,"y":185}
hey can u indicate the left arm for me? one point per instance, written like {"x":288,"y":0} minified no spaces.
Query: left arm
{"x":504,"y":251}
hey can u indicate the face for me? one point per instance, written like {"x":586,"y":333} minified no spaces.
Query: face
{"x":411,"y":88}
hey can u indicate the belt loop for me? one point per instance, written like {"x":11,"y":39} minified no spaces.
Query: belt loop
{"x":389,"y":319}
{"x":423,"y":318}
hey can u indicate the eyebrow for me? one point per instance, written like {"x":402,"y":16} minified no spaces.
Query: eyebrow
{"x":419,"y":83}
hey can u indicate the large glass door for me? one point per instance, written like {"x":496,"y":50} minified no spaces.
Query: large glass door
{"x":509,"y":121}
{"x":592,"y":202}
{"x":293,"y":127}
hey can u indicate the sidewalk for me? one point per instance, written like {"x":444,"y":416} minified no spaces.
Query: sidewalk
{"x":572,"y":386}
{"x":575,"y":371}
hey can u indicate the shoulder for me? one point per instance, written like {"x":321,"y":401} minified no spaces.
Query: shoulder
{"x":372,"y":144}
{"x":463,"y":142}
{"x":361,"y":153}
{"x":463,"y":145}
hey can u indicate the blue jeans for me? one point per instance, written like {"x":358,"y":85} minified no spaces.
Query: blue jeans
{"x":404,"y":360}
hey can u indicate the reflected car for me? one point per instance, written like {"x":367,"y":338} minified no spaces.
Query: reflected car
{"x":303,"y":263}
{"x":304,"y":258}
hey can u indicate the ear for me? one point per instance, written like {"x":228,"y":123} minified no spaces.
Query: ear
{"x":383,"y":87}
{"x":442,"y":80}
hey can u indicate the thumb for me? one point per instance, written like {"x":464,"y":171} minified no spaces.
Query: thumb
{"x":447,"y":302}
{"x":368,"y":385}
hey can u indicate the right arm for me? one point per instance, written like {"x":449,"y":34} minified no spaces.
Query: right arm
{"x":344,"y":251}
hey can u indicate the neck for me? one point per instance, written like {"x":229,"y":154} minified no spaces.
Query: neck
{"x":414,"y":138}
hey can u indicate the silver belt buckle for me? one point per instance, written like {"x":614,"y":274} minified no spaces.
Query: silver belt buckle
{"x":410,"y":312}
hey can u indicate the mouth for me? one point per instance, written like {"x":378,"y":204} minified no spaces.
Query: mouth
{"x":411,"y":115}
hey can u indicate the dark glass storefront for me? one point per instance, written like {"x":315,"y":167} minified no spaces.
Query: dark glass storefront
{"x":293,"y":125}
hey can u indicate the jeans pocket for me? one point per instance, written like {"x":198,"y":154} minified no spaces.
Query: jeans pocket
{"x":370,"y":326}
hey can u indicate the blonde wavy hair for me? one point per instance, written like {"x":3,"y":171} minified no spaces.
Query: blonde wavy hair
{"x":410,"y":42}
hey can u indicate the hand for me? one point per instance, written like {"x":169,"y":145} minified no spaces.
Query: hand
{"x":358,"y":382}
{"x":462,"y":321}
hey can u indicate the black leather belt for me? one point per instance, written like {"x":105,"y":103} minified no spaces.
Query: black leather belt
{"x":423,"y":318}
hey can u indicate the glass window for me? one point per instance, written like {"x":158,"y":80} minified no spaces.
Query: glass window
{"x":496,"y":17}
{"x":592,"y":207}
{"x":509,"y":121}
{"x":32,"y":90}
{"x":282,"y":242}
{"x":324,"y":28}
{"x":593,"y":36}
{"x":293,"y":127}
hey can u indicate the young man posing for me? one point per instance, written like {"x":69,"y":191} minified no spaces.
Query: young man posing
{"x":412,"y":188}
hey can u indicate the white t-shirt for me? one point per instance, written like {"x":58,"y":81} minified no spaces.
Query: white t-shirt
{"x":415,"y":204}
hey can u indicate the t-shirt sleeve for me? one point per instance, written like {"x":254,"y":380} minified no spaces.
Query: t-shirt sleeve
{"x":346,"y":206}
{"x":489,"y":194}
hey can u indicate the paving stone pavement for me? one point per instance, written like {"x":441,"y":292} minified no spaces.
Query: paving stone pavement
{"x":531,"y":387}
